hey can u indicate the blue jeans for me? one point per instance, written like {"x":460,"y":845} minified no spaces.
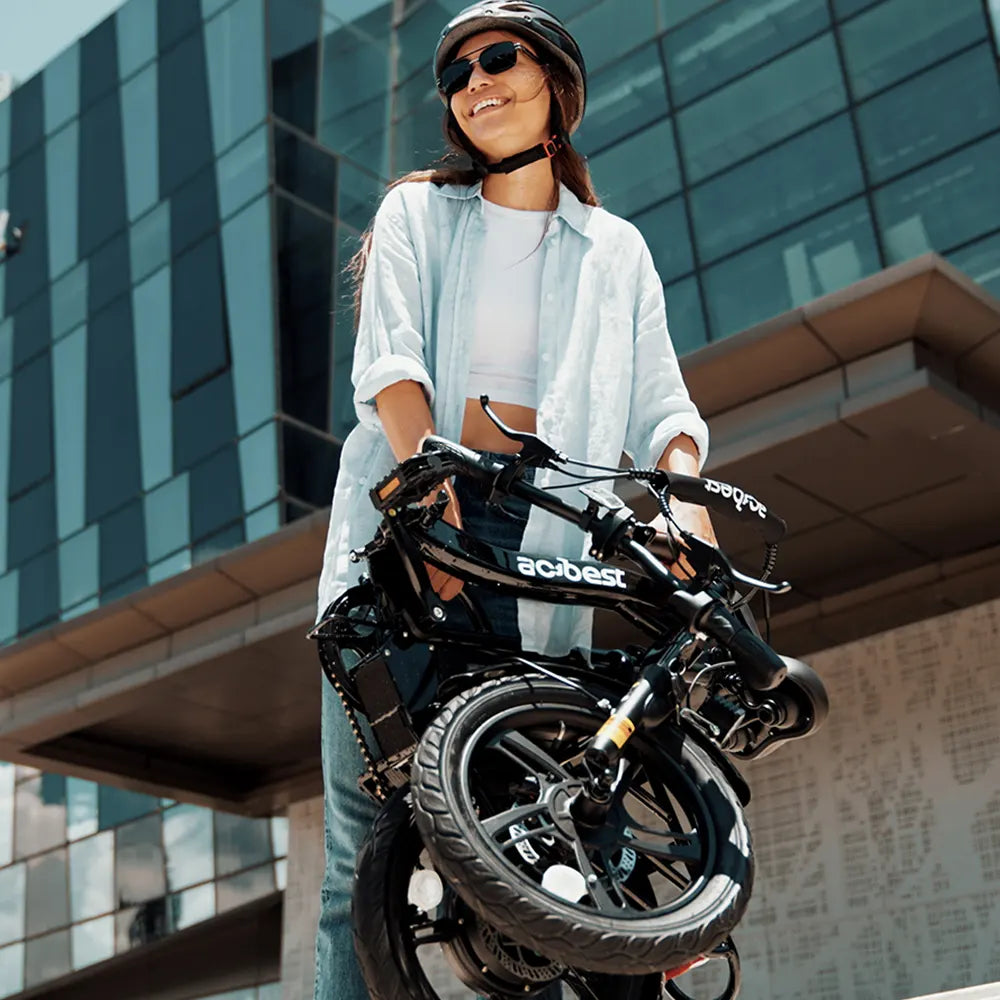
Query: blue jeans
{"x":348,"y":813}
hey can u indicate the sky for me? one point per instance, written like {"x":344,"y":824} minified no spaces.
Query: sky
{"x":32,"y":32}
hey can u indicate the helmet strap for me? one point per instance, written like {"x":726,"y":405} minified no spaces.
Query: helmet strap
{"x":544,"y":150}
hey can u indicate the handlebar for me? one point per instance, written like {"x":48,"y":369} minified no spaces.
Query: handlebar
{"x":614,"y":533}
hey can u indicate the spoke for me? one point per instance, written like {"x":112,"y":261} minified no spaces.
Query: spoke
{"x":686,"y":848}
{"x":527,"y":754}
{"x":678,"y":880}
{"x":595,"y":888}
{"x":438,"y":931}
{"x":500,"y":822}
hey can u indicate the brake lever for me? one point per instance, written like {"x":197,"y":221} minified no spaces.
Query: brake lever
{"x":534,"y":451}
{"x":772,"y":588}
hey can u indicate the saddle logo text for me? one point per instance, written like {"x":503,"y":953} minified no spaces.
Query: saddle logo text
{"x":563,"y":569}
{"x":739,"y":498}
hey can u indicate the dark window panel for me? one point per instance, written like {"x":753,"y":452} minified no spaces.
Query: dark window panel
{"x":185,"y":123}
{"x":141,"y":924}
{"x":358,"y":195}
{"x":676,"y":11}
{"x":38,"y":602}
{"x":242,"y":888}
{"x":802,"y":176}
{"x":108,"y":273}
{"x":140,"y":873}
{"x":215,"y":545}
{"x":136,"y":30}
{"x":376,"y":21}
{"x":32,"y":328}
{"x":310,"y":465}
{"x":603,"y":33}
{"x":685,"y":316}
{"x":46,"y":958}
{"x":204,"y":420}
{"x":354,"y":95}
{"x":113,"y":470}
{"x":215,"y":493}
{"x":342,"y":414}
{"x":292,"y":511}
{"x":844,"y":8}
{"x":240,"y":842}
{"x":623,"y":98}
{"x":417,"y":139}
{"x":27,"y":273}
{"x":418,"y":36}
{"x":899,"y":37}
{"x":194,"y":211}
{"x":116,"y":806}
{"x":981,"y":262}
{"x":305,"y":170}
{"x":123,"y":548}
{"x":293,"y":33}
{"x":32,"y":523}
{"x":818,"y":257}
{"x":61,"y":79}
{"x":39,"y":814}
{"x":666,"y":231}
{"x":916,"y":121}
{"x":175,"y":19}
{"x":47,"y":897}
{"x":305,"y":265}
{"x":98,"y":62}
{"x":942,"y":205}
{"x":199,"y":347}
{"x":124,"y":587}
{"x":731,"y":38}
{"x":102,"y":174}
{"x":27,"y":116}
{"x":31,"y":425}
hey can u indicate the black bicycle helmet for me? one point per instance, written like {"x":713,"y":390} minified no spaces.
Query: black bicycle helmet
{"x":536,"y":24}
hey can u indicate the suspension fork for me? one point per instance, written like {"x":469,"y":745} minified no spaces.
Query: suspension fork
{"x":646,"y":704}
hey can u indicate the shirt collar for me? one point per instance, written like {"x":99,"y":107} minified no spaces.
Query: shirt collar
{"x":570,"y":209}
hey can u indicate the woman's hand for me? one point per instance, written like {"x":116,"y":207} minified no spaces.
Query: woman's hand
{"x":690,"y":518}
{"x":445,"y":585}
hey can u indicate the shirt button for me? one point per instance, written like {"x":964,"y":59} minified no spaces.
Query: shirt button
{"x":546,"y":356}
{"x":549,"y":296}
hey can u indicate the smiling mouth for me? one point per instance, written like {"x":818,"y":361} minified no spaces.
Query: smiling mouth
{"x":477,"y":111}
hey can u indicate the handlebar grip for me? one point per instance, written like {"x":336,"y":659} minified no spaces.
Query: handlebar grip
{"x":730,"y":501}
{"x":762,"y":668}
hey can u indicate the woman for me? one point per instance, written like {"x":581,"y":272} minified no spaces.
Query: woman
{"x":506,"y":278}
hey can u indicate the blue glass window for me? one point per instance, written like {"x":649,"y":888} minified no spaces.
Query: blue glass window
{"x":293,"y":33}
{"x":40,"y":814}
{"x":102,"y":203}
{"x":122,"y":544}
{"x":69,"y":300}
{"x":305,"y":169}
{"x":234,"y":55}
{"x":136,"y":32}
{"x":4,"y":135}
{"x":61,"y":80}
{"x":242,"y":888}
{"x":116,"y":806}
{"x":31,"y":425}
{"x":942,"y":205}
{"x":187,"y":838}
{"x":761,"y":109}
{"x":358,"y":194}
{"x":6,"y":794}
{"x":981,"y":262}
{"x":638,"y":171}
{"x":38,"y":600}
{"x":240,"y":842}
{"x":46,"y":895}
{"x":28,"y":273}
{"x":171,"y":566}
{"x":685,"y":317}
{"x":27,"y":119}
{"x":665,"y":228}
{"x":78,"y":567}
{"x":199,"y":346}
{"x":12,"y":969}
{"x":342,"y":415}
{"x":417,"y":36}
{"x":354,"y":95}
{"x":604,"y":34}
{"x":676,"y":11}
{"x":899,"y":37}
{"x":204,"y":420}
{"x":91,"y":882}
{"x":193,"y":905}
{"x":151,"y":308}
{"x":12,"y":883}
{"x":10,"y":591}
{"x":917,"y":120}
{"x":733,"y":37}
{"x":149,"y":241}
{"x":167,"y":518}
{"x":92,"y":942}
{"x":310,"y":463}
{"x":32,"y":519}
{"x":623,"y":98}
{"x":804,"y":175}
{"x":6,"y":350}
{"x":108,"y":273}
{"x":32,"y":329}
{"x":215,"y":493}
{"x":259,"y":466}
{"x":81,"y":797}
{"x":820,"y":256}
{"x":140,"y":104}
{"x":242,"y":172}
{"x":258,"y":524}
{"x":46,"y":958}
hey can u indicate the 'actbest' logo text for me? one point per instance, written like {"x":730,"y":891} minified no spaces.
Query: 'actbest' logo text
{"x":739,"y":498}
{"x":563,"y":569}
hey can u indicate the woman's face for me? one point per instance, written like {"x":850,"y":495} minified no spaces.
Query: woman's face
{"x":518,"y":112}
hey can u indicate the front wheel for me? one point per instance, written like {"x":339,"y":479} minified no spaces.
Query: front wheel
{"x":662,"y":882}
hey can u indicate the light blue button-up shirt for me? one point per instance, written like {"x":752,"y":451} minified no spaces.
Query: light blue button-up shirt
{"x":608,"y":378}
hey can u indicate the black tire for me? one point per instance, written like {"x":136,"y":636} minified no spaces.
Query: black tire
{"x":450,"y":761}
{"x":385,"y":952}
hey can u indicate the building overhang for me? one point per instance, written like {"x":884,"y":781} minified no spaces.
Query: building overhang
{"x":867,"y":419}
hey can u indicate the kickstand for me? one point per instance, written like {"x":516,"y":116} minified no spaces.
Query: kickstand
{"x":726,"y":951}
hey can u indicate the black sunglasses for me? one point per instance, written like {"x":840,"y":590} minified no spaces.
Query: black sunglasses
{"x":496,"y":58}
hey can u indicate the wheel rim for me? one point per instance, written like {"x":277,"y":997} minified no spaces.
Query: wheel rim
{"x":516,"y":777}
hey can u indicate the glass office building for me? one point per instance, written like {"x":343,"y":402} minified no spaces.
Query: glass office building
{"x":176,"y":333}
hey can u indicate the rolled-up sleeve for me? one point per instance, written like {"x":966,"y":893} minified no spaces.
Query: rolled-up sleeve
{"x":390,"y":341}
{"x":661,"y":408}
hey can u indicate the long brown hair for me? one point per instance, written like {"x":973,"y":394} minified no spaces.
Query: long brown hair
{"x":462,"y":165}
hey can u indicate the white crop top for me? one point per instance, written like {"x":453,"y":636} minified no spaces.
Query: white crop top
{"x":504,"y":359}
